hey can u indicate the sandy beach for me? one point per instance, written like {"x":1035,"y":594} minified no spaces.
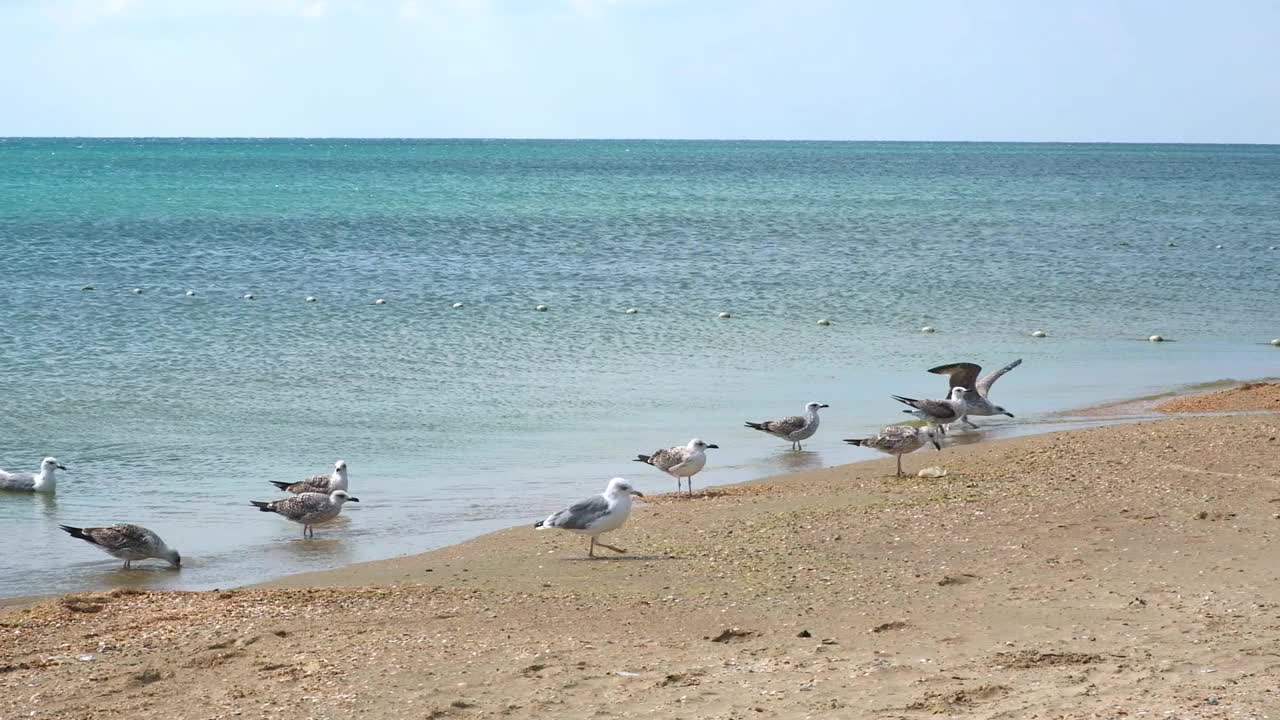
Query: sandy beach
{"x":1122,"y":571}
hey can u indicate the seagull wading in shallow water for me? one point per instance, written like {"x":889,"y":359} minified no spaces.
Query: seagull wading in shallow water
{"x":595,"y":515}
{"x":127,"y":543}
{"x":936,"y":412}
{"x":43,"y":481}
{"x":898,"y":440}
{"x":976,"y":401}
{"x":680,"y":462}
{"x":795,"y":428}
{"x":337,"y":480}
{"x":308,"y":508}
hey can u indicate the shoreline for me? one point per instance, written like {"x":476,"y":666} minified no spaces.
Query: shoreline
{"x":1112,"y":570}
{"x":1130,"y":410}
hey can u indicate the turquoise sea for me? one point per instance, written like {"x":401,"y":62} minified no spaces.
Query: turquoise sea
{"x":173,"y":411}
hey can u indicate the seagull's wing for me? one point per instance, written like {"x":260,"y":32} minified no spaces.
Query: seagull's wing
{"x":667,"y":458}
{"x":580,"y":515}
{"x":301,"y":505}
{"x":963,"y":375}
{"x":984,"y":384}
{"x":940,"y":410}
{"x":785,"y":426}
{"x":119,"y":537}
{"x":17,"y":481}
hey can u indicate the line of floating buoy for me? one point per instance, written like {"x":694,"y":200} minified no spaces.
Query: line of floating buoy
{"x":540,"y":308}
{"x":724,"y":316}
{"x":632,"y":311}
{"x":1276,"y":342}
{"x":824,"y":322}
{"x":248,"y":296}
{"x":86,"y":288}
{"x":310,"y":298}
{"x":1156,"y":338}
{"x":191,"y":293}
{"x":379,"y":301}
{"x":1039,"y":334}
{"x":136,"y":291}
{"x":455,"y":306}
{"x":928,"y":329}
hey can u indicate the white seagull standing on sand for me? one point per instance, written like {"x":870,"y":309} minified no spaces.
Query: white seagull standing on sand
{"x":308,"y":509}
{"x":680,"y":462}
{"x":596,"y":515}
{"x":977,"y":400}
{"x":937,"y":412}
{"x":795,"y":428}
{"x":898,"y":440}
{"x":127,"y":543}
{"x":43,"y":481}
{"x":336,"y":480}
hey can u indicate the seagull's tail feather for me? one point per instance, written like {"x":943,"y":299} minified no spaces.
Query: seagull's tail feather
{"x":862,"y":441}
{"x":263,"y":506}
{"x":280,"y":484}
{"x":76,"y":532}
{"x":756,"y":426}
{"x":646,"y":459}
{"x":905,"y":400}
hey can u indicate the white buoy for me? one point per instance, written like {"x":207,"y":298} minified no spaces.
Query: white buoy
{"x":927,"y":329}
{"x":136,"y":291}
{"x":1039,"y":333}
{"x":88,"y":287}
{"x":632,"y":311}
{"x":724,"y":316}
{"x":248,"y":296}
{"x":824,"y":322}
{"x":1217,"y":247}
{"x":191,"y":293}
{"x":540,"y":308}
{"x":1273,"y":247}
{"x":1173,"y":244}
{"x":1156,"y":338}
{"x":1276,"y":342}
{"x":379,"y":301}
{"x":457,"y":305}
{"x":311,"y":298}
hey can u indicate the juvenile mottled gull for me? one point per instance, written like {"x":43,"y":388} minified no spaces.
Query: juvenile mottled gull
{"x":596,"y":515}
{"x":795,"y":428}
{"x":898,"y":440}
{"x":308,"y":509}
{"x":43,"y":481}
{"x":325,"y":484}
{"x":976,"y":400}
{"x":680,"y":462}
{"x":936,"y":412}
{"x":127,"y":543}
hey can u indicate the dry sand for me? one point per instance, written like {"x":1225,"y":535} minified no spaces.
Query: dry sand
{"x":1119,"y":572}
{"x":1242,"y":398}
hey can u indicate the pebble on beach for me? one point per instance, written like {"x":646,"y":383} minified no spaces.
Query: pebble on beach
{"x":1156,"y":338}
{"x":927,"y":329}
{"x":1039,"y":333}
{"x":824,"y":322}
{"x":540,"y":308}
{"x":724,"y":316}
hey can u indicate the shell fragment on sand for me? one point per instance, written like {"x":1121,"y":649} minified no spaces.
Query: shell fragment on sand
{"x":932,"y":472}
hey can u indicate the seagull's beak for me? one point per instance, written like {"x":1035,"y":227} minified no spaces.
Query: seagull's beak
{"x":64,"y":467}
{"x":351,"y":499}
{"x":709,"y":447}
{"x":937,"y":444}
{"x":1009,"y":414}
{"x":822,"y":406}
{"x":637,"y":493}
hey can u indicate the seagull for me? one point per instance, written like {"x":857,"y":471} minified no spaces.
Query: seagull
{"x":680,"y":462}
{"x":794,"y":428}
{"x":127,"y":543}
{"x":43,"y":481}
{"x":898,"y":440}
{"x":596,"y":515}
{"x":966,"y":375}
{"x":937,"y":412}
{"x":324,"y":484}
{"x":308,"y":508}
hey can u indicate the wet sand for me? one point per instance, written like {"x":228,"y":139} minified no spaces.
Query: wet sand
{"x":1123,"y":571}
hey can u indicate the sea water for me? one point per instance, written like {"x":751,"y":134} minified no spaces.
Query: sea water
{"x":173,"y":411}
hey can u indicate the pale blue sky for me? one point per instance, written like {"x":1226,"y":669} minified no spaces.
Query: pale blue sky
{"x":1072,"y":70}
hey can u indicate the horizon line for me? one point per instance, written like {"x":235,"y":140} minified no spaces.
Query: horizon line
{"x":392,"y":138}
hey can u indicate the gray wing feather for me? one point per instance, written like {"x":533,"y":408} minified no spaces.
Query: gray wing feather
{"x":938,"y":409}
{"x":984,"y":385}
{"x":667,"y":458}
{"x":785,"y":426}
{"x":122,"y":537}
{"x":301,"y":505}
{"x":580,"y":515}
{"x":17,"y":481}
{"x":961,"y":374}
